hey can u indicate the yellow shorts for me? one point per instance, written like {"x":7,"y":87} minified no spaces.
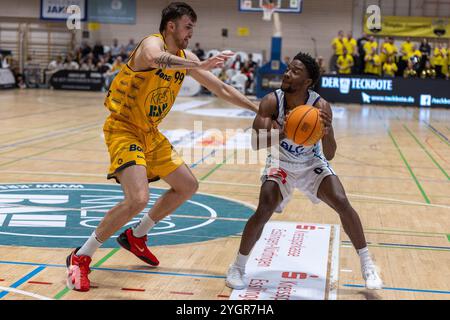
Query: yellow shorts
{"x":129,"y":146}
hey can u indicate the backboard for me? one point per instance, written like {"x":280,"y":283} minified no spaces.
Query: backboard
{"x":283,"y":6}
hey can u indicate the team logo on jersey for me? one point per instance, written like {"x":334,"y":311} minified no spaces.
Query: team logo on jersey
{"x":159,"y":102}
{"x":65,"y":215}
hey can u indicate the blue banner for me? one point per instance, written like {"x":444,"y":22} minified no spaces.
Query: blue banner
{"x":112,"y":11}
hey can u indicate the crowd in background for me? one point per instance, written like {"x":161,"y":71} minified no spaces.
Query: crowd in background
{"x":366,"y":56}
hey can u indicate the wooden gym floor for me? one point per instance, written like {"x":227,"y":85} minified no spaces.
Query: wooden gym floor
{"x":394,"y":163}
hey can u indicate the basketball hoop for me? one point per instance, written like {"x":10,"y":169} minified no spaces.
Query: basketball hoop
{"x":268,"y":10}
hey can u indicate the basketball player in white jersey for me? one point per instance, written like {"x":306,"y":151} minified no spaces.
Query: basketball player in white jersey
{"x":305,"y":168}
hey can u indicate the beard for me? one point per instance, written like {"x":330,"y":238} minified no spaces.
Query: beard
{"x":287,"y":89}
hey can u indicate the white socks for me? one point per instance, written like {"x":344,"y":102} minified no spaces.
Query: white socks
{"x":241,"y":261}
{"x":90,"y":246}
{"x":364,"y":256}
{"x":143,"y":227}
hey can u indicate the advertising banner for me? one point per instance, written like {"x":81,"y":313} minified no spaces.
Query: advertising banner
{"x":77,"y":80}
{"x":57,"y":9}
{"x":422,"y":27}
{"x":385,"y":91}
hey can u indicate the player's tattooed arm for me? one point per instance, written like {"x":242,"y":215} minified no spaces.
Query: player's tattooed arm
{"x":169,"y":61}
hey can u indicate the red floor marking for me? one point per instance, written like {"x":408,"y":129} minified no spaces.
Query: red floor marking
{"x":2,"y":279}
{"x":186,"y":293}
{"x":39,"y":282}
{"x":131,"y":289}
{"x":222,"y":296}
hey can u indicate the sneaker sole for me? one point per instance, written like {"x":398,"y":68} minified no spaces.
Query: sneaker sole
{"x":234,"y":287}
{"x":123,"y":242}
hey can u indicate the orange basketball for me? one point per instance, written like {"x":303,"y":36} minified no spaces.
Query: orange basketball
{"x":304,"y":126}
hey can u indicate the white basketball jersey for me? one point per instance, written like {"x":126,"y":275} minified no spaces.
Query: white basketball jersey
{"x":290,"y":151}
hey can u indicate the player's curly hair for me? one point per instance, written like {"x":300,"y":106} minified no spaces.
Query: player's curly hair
{"x":311,"y":65}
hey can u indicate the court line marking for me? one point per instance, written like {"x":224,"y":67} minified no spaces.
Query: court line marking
{"x":48,"y":150}
{"x":439,"y":134}
{"x":209,"y":276}
{"x":23,"y":280}
{"x":426,"y":151}
{"x":422,"y":191}
{"x":53,"y":134}
{"x":400,"y":289}
{"x":25,"y":293}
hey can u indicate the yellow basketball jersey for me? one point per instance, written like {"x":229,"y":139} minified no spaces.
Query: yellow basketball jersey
{"x":143,"y":98}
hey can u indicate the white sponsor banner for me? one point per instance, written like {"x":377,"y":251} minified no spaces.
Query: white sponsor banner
{"x":289,"y":262}
{"x":57,"y":9}
{"x":214,"y":139}
{"x":224,"y":113}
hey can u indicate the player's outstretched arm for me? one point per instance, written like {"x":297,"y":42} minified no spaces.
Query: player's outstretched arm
{"x":151,"y":54}
{"x":328,"y":141}
{"x":219,"y":88}
{"x":263,"y":135}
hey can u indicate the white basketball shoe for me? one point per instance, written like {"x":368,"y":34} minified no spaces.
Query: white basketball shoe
{"x":370,"y":275}
{"x":235,"y":277}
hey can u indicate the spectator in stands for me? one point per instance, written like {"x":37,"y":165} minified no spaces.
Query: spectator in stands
{"x":370,"y":46}
{"x":69,"y":64}
{"x":199,"y":52}
{"x":345,"y":62}
{"x":103,"y":66}
{"x":98,"y":50}
{"x":405,"y":51}
{"x":360,"y":62}
{"x":350,"y":44}
{"x":130,"y":46}
{"x":108,"y":58}
{"x":88,"y":65}
{"x":390,"y":67}
{"x":428,"y":71}
{"x":251,"y":64}
{"x":425,"y":49}
{"x":237,"y":63}
{"x":248,"y":72}
{"x":115,"y":48}
{"x":338,"y":45}
{"x":410,"y":72}
{"x":85,"y":49}
{"x":373,"y":63}
{"x":415,"y":56}
{"x":439,"y":60}
{"x":388,"y":49}
{"x":352,"y":49}
{"x":56,"y":64}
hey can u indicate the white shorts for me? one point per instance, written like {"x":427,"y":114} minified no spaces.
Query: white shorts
{"x":306,"y":177}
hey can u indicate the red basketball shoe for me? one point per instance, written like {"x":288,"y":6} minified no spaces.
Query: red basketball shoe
{"x":137,"y":246}
{"x":77,"y":271}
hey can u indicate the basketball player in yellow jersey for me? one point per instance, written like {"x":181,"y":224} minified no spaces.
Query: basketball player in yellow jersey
{"x":139,"y":98}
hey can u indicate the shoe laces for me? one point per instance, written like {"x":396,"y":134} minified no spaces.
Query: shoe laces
{"x":370,"y":272}
{"x":236,"y":271}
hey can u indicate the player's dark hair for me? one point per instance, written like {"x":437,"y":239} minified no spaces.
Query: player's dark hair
{"x":175,"y":11}
{"x":311,"y":65}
